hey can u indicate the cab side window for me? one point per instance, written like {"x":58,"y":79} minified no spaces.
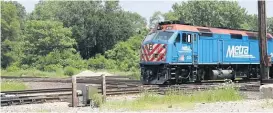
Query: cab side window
{"x":178,"y":38}
{"x":186,"y":38}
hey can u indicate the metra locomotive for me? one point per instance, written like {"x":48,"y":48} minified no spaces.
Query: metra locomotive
{"x":177,"y":53}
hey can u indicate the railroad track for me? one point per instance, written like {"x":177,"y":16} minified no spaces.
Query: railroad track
{"x":58,"y":94}
{"x":91,"y":79}
{"x":109,"y":79}
{"x":33,"y":96}
{"x":116,"y":85}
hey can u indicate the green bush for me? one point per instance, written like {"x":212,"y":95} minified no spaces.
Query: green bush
{"x":70,"y":71}
{"x":126,"y":54}
{"x":52,"y":67}
{"x":12,"y":68}
{"x":123,"y":57}
{"x":95,"y":97}
{"x":98,"y":62}
{"x":96,"y":100}
{"x":59,"y":71}
{"x":60,"y":59}
{"x":24,"y":66}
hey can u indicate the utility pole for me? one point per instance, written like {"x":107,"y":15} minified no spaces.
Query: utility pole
{"x":264,"y":67}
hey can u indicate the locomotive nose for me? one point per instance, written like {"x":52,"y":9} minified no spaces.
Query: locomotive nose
{"x":153,"y":52}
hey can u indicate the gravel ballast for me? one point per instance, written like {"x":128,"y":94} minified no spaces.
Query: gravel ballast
{"x":236,"y":106}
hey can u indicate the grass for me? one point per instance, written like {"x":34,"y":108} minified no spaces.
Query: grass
{"x":60,"y":73}
{"x":133,"y":75}
{"x":33,"y":73}
{"x":173,"y":99}
{"x":12,"y":86}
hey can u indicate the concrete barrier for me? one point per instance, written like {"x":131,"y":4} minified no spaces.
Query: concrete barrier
{"x":267,"y":91}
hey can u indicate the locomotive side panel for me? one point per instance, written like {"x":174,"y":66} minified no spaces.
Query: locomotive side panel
{"x":254,"y":50}
{"x":238,"y":52}
{"x":208,"y":51}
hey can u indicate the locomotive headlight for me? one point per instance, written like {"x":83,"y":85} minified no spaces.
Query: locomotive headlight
{"x":159,"y":27}
{"x":150,"y":46}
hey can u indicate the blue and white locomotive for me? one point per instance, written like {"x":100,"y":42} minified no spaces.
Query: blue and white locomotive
{"x":179,"y":53}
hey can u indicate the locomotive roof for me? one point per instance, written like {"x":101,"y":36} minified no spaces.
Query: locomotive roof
{"x":210,"y":30}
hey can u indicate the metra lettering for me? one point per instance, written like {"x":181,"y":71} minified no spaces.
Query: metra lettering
{"x":238,"y":52}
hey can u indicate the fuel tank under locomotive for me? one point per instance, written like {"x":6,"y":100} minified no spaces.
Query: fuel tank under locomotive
{"x":222,"y":74}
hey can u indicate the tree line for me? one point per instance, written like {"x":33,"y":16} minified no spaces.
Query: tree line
{"x":97,"y":34}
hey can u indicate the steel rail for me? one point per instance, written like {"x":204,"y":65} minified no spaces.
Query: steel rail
{"x":113,"y":88}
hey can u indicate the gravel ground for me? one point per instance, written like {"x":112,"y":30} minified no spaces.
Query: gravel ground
{"x":248,"y":105}
{"x":46,"y":107}
{"x":238,"y":106}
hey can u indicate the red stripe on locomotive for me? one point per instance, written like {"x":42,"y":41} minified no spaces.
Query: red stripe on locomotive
{"x":157,"y":53}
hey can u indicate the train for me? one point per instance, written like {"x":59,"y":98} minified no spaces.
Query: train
{"x":176,"y":52}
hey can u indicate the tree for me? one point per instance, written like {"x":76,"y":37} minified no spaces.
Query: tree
{"x":45,"y":10}
{"x":10,"y":25}
{"x":48,"y":43}
{"x":124,"y":56}
{"x":96,"y":27}
{"x":170,"y":16}
{"x":10,"y":30}
{"x":209,"y":13}
{"x":251,"y":22}
{"x":21,"y":12}
{"x":156,"y":18}
{"x":270,"y":25}
{"x":138,"y":22}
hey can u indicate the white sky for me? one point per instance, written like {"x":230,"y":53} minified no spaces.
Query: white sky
{"x":146,"y":8}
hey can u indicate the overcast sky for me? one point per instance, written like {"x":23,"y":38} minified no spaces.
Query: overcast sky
{"x":146,"y":8}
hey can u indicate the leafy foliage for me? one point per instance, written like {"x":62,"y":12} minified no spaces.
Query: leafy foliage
{"x":209,"y":13}
{"x":251,"y":23}
{"x":92,"y":22}
{"x":124,"y":56}
{"x":156,"y":17}
{"x":270,"y":25}
{"x":48,"y":43}
{"x":10,"y":30}
{"x":70,"y":71}
{"x":227,"y":14}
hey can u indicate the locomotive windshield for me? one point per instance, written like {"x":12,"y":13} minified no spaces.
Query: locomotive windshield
{"x":149,"y":37}
{"x":160,"y":35}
